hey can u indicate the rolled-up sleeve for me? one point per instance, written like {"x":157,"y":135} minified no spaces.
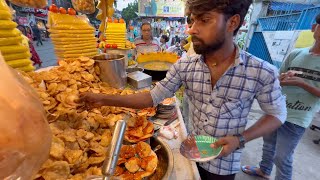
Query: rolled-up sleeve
{"x":271,"y":99}
{"x":168,"y":86}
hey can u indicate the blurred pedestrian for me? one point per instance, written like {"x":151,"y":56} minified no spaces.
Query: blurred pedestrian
{"x":37,"y":34}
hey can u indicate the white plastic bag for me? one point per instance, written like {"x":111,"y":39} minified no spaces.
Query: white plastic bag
{"x":25,"y":137}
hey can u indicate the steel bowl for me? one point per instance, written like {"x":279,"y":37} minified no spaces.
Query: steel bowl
{"x":165,"y":157}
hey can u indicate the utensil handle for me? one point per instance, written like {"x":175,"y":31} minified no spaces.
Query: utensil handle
{"x":111,"y":160}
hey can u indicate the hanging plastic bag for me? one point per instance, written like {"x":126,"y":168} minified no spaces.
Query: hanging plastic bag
{"x":30,"y":3}
{"x":84,"y":6}
{"x":25,"y":137}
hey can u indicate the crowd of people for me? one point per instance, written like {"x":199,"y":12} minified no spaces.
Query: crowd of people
{"x":221,"y":82}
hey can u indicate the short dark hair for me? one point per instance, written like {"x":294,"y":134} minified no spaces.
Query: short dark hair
{"x":318,"y":19}
{"x":146,"y":23}
{"x":165,"y":37}
{"x":227,"y":7}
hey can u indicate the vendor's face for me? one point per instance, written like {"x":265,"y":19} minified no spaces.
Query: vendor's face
{"x":146,"y":32}
{"x":208,"y":31}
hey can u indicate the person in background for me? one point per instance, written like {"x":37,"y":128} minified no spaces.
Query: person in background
{"x":37,"y":34}
{"x":146,"y":43}
{"x":175,"y":40}
{"x":163,"y":40}
{"x":300,"y":78}
{"x":221,"y":81}
{"x":178,"y":47}
{"x":26,"y":31}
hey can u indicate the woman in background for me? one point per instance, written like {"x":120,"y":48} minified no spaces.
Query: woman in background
{"x":35,"y":57}
{"x":163,"y":40}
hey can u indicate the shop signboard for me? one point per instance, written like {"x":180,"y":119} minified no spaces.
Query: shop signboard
{"x":23,"y":20}
{"x":41,"y":12}
{"x":161,"y":8}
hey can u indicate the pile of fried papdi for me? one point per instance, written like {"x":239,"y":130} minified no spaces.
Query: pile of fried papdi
{"x":81,"y":135}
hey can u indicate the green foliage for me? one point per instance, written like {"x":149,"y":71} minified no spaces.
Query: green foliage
{"x":130,"y":12}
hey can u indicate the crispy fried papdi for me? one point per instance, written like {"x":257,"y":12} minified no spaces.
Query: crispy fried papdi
{"x":139,"y":161}
{"x":81,"y":136}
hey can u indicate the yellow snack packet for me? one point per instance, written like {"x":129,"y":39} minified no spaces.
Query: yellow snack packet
{"x":74,"y":42}
{"x":27,"y":68}
{"x":4,"y":6}
{"x":80,"y":51}
{"x":19,"y":63}
{"x":68,"y":31}
{"x":89,"y":36}
{"x":15,"y":56}
{"x":7,"y":24}
{"x":63,"y":56}
{"x":10,"y":41}
{"x":9,"y":33}
{"x":13,"y":49}
{"x":72,"y":48}
{"x":5,"y":15}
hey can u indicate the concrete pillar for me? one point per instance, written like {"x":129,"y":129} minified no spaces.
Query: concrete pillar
{"x":260,"y":9}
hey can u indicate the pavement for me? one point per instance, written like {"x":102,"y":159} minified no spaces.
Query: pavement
{"x":306,"y":156}
{"x":46,"y":53}
{"x":306,"y":164}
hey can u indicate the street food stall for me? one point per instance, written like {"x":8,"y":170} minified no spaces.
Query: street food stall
{"x":81,"y":135}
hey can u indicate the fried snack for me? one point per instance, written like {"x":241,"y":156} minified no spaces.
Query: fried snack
{"x":149,"y":163}
{"x":119,"y":171}
{"x":139,"y":129}
{"x":81,"y":136}
{"x":143,"y":149}
{"x":127,"y":152}
{"x":84,"y":6}
{"x":139,"y":165}
{"x":133,"y":164}
{"x":30,"y":3}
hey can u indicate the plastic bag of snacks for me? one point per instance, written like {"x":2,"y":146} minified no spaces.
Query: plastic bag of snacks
{"x":30,"y":3}
{"x":25,"y":137}
{"x":84,"y":6}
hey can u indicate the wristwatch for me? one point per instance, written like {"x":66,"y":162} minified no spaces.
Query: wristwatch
{"x":242,"y":141}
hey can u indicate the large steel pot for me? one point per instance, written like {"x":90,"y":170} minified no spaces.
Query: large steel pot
{"x":112,"y":69}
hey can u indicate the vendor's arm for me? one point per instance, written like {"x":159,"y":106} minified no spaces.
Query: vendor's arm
{"x":272,"y":102}
{"x":163,"y":89}
{"x":137,"y":101}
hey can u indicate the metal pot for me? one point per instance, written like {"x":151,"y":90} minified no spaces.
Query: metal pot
{"x":165,"y":157}
{"x":112,"y":69}
{"x":157,"y":75}
{"x":130,"y":70}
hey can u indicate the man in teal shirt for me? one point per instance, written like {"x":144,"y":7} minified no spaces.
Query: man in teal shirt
{"x":300,"y":79}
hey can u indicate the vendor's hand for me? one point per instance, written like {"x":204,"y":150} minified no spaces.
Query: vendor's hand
{"x":91,"y":100}
{"x":229,"y":144}
{"x":292,"y":81}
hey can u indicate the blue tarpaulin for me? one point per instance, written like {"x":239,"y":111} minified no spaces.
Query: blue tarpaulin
{"x":282,"y":6}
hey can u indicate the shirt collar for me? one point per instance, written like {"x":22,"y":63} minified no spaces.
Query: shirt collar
{"x":238,"y":58}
